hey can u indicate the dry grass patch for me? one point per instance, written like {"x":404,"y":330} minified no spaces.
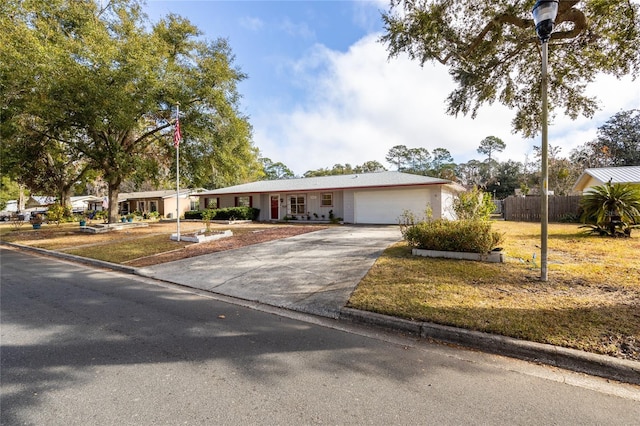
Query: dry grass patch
{"x":144,"y":246}
{"x":591,"y":302}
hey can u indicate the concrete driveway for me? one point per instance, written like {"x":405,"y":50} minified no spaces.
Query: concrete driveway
{"x":313,"y":273}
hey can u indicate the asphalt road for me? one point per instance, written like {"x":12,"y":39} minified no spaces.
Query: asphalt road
{"x":84,"y":346}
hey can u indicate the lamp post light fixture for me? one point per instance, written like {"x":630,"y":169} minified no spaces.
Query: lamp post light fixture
{"x":544,"y":16}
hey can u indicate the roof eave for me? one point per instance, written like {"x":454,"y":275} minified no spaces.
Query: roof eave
{"x":335,"y":188}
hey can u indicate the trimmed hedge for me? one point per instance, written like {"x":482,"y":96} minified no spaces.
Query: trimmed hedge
{"x":229,"y":213}
{"x":471,"y":236}
{"x":193,"y":214}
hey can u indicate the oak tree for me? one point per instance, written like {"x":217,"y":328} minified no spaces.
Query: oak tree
{"x":493,"y":54}
{"x":101,"y":79}
{"x":617,"y":143}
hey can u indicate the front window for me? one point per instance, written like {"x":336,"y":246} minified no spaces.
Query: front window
{"x":327,"y":199}
{"x":153,"y":206}
{"x":244,"y":201}
{"x":211,"y":203}
{"x":297,"y":204}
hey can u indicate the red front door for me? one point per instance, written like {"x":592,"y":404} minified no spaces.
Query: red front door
{"x":274,"y":207}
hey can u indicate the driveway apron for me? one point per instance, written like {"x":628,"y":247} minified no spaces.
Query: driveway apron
{"x":312,"y":273}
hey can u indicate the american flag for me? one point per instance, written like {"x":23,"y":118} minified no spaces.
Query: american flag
{"x":177,"y":137}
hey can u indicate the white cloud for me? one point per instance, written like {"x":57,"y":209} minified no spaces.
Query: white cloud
{"x":366,"y":14}
{"x":358,"y":105}
{"x":251,"y":23}
{"x":297,"y":29}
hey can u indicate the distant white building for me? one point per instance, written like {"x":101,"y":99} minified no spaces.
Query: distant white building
{"x":599,"y":176}
{"x":9,"y":210}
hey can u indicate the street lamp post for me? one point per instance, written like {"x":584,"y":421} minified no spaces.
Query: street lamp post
{"x":544,"y":16}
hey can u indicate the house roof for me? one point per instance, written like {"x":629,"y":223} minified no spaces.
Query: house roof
{"x":167,"y":193}
{"x":626,"y":174}
{"x":78,"y":198}
{"x":40,"y":200}
{"x":335,"y":182}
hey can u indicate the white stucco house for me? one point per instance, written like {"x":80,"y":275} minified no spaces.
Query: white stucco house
{"x":602,"y":175}
{"x":368,"y":198}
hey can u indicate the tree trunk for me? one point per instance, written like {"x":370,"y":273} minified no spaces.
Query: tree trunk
{"x":65,"y":197}
{"x":114,"y":189}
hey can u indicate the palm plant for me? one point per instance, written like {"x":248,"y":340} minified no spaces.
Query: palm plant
{"x":611,"y":209}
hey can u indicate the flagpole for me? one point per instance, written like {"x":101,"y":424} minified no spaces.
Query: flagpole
{"x":177,"y":145}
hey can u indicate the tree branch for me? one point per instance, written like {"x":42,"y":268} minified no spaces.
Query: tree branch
{"x":566,"y":13}
{"x":579,"y":24}
{"x":152,"y":132}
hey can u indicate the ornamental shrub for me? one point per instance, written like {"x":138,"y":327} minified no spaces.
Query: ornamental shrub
{"x":229,"y":213}
{"x":473,"y":205}
{"x":611,"y":209}
{"x":472,"y":236}
{"x":236,"y":213}
{"x":193,"y":214}
{"x":57,"y":213}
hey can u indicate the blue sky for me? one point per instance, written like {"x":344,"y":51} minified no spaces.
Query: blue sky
{"x":321,"y":91}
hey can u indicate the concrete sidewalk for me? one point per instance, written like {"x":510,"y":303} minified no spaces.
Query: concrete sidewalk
{"x":312,"y":273}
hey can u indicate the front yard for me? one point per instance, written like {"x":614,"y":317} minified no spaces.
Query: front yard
{"x":591,"y":302}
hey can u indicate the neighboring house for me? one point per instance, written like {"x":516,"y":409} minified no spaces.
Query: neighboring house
{"x":39,"y":203}
{"x":79,"y":204}
{"x":83,"y":203}
{"x":9,"y":210}
{"x":602,"y":175}
{"x":372,"y":198}
{"x":163,"y":202}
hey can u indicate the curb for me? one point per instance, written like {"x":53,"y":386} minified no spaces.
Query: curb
{"x":74,"y":258}
{"x":569,"y":359}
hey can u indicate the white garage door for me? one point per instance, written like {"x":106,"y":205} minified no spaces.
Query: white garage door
{"x":386,"y":207}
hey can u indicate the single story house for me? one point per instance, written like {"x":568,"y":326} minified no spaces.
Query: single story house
{"x":79,"y":203}
{"x":39,"y":203}
{"x":83,"y":203}
{"x":164,"y":202}
{"x":602,"y":175}
{"x":368,"y":198}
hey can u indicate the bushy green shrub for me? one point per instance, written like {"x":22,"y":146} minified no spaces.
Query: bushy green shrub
{"x":237,"y":213}
{"x":193,"y":214}
{"x":58,"y":214}
{"x":473,"y":236}
{"x":229,"y":213}
{"x":473,"y":205}
{"x":102,"y":215}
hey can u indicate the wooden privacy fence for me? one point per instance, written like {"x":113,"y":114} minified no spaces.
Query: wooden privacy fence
{"x":527,"y":209}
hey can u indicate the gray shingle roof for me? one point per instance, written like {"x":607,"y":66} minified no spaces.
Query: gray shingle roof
{"x":336,"y":182}
{"x":123,"y":196}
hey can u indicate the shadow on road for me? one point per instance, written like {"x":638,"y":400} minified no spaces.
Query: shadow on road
{"x":61,"y":322}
